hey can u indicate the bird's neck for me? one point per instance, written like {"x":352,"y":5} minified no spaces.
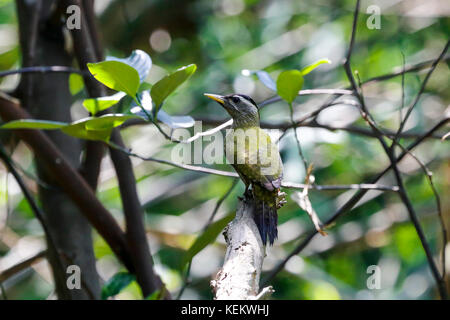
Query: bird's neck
{"x":246,"y":121}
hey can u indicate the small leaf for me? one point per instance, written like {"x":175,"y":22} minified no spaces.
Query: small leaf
{"x":154,"y":295}
{"x":145,"y":86}
{"x":314,"y":65}
{"x":206,"y":238}
{"x":8,"y":59}
{"x":33,"y":124}
{"x":264,"y":77}
{"x":175,"y":122}
{"x":116,"y":75}
{"x":164,"y":87}
{"x":78,"y":130}
{"x":96,"y":128}
{"x":139,"y":60}
{"x":116,"y":284}
{"x":107,"y":121}
{"x":95,"y":105}
{"x":289,"y":83}
{"x":76,"y":83}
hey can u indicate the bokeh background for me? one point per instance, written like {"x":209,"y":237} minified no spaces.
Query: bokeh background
{"x":223,"y":37}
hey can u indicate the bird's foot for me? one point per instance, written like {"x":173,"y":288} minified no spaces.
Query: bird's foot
{"x":281,"y":199}
{"x":248,"y":193}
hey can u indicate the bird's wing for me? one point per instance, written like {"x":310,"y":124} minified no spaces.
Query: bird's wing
{"x":260,"y":165}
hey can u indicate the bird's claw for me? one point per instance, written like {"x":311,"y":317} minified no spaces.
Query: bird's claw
{"x":281,"y":199}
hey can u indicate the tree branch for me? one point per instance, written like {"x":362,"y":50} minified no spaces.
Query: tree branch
{"x":390,"y":153}
{"x":42,"y":69}
{"x":8,"y":273}
{"x":88,"y":49}
{"x":70,"y":181}
{"x":239,"y":277}
{"x":134,"y":217}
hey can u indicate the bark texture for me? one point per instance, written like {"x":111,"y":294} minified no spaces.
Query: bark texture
{"x":47,"y":96}
{"x":239,"y":277}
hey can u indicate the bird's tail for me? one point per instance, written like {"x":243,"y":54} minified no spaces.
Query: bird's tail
{"x":265,"y":212}
{"x":266,"y":220}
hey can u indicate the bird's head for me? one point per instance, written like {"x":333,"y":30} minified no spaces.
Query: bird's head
{"x":241,"y":107}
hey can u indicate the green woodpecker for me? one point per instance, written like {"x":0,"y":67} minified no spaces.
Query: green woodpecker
{"x":256,"y":159}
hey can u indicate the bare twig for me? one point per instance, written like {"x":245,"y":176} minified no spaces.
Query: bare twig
{"x":389,"y":152}
{"x":88,"y":49}
{"x":355,"y":198}
{"x":429,"y":176}
{"x":42,"y":69}
{"x":33,"y":205}
{"x":15,"y":269}
{"x":419,"y":93}
{"x":284,"y":184}
{"x":303,"y":201}
{"x":70,"y":181}
{"x":307,"y":92}
{"x":398,"y":71}
{"x":346,"y":207}
{"x":134,"y":217}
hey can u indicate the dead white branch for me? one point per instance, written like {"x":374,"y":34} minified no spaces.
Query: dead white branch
{"x":239,"y":277}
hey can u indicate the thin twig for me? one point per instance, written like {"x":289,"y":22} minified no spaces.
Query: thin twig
{"x":284,"y":184}
{"x":389,"y":152}
{"x":419,"y":93}
{"x":350,"y":203}
{"x":38,"y":213}
{"x":429,"y":176}
{"x":134,"y":217}
{"x":307,"y":92}
{"x":15,"y":269}
{"x":42,"y":69}
{"x":70,"y":181}
{"x":347,"y":206}
{"x":297,"y":139}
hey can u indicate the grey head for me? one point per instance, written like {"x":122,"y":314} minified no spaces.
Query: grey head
{"x":241,"y":108}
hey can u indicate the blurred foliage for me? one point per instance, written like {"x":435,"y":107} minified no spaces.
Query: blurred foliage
{"x":224,"y":37}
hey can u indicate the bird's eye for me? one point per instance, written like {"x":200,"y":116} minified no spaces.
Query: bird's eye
{"x":235,"y":99}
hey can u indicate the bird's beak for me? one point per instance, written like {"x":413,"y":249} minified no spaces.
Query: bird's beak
{"x":215,"y":97}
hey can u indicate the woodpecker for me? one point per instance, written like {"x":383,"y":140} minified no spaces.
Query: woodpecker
{"x":256,"y":159}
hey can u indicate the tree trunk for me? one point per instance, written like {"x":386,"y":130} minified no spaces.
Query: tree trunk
{"x":47,"y":96}
{"x":239,"y":277}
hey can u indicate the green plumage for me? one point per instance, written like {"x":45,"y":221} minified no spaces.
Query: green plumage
{"x":256,"y":159}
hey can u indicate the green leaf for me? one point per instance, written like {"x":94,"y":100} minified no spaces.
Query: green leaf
{"x":154,"y":295}
{"x":289,"y":83}
{"x":78,"y":130}
{"x":76,"y":83}
{"x":145,"y":86}
{"x":8,"y":59}
{"x":314,"y":65}
{"x":96,"y":128}
{"x":206,"y":238}
{"x":90,"y":128}
{"x":164,"y":87}
{"x":139,"y":60}
{"x":116,"y":284}
{"x":108,"y":121}
{"x":95,"y":105}
{"x":116,"y":75}
{"x":33,"y":124}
